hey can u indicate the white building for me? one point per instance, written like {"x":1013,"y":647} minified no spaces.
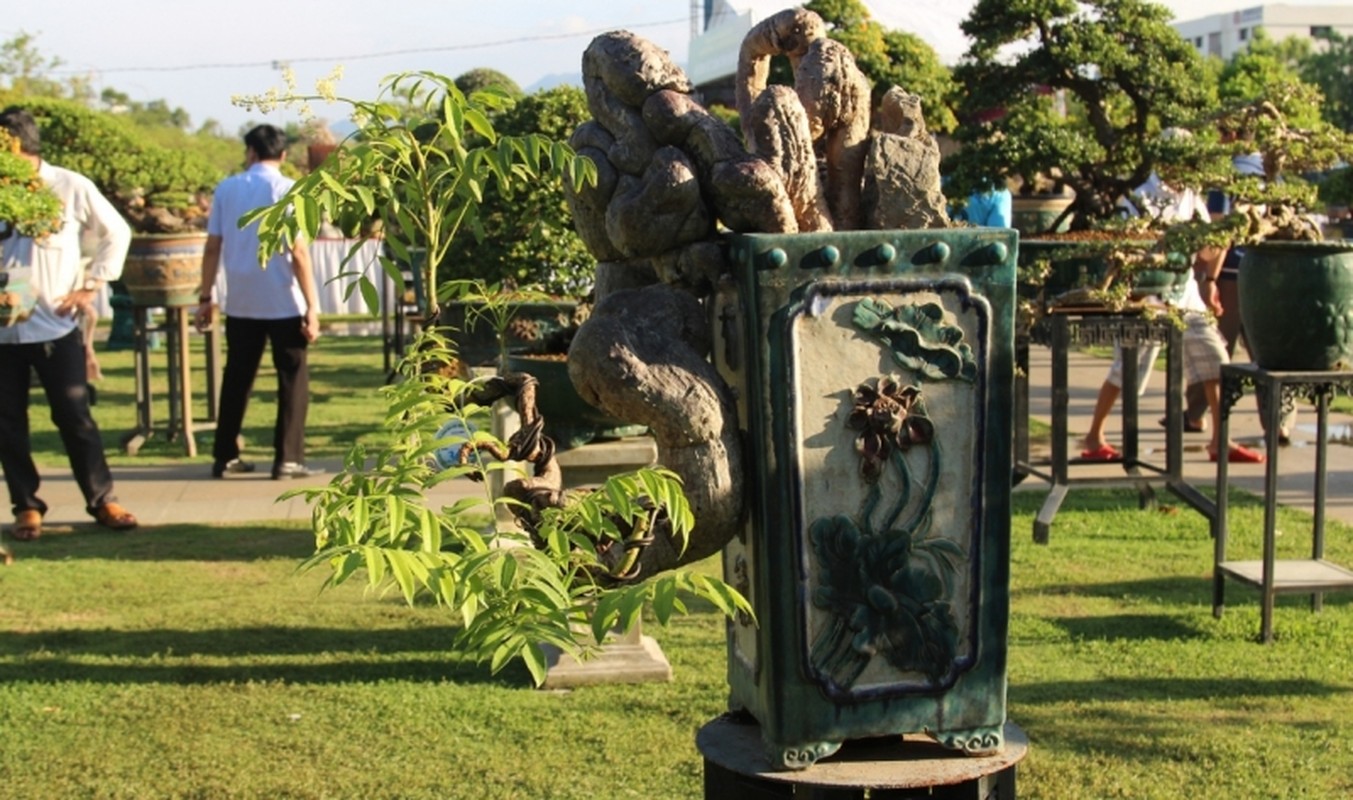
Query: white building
{"x":1224,"y":35}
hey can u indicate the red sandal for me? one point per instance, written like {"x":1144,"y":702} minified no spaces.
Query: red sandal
{"x":1240,"y":455}
{"x":1105,"y":452}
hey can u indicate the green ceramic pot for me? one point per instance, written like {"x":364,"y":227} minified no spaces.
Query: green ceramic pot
{"x":1037,"y":213}
{"x":1296,"y":303}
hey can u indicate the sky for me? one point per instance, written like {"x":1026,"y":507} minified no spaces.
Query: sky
{"x":198,"y":55}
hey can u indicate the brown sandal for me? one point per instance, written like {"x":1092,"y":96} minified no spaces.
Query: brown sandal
{"x":114,"y":516}
{"x":27,"y":525}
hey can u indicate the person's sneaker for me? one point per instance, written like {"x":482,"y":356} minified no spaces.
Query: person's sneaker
{"x":292,"y":469}
{"x":234,"y":466}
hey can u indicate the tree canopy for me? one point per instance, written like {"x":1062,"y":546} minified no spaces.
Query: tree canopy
{"x":1079,"y":90}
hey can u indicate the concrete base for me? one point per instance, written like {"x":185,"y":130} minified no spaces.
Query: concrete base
{"x":631,"y":658}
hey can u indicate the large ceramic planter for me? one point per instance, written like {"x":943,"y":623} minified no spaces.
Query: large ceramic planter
{"x":1296,"y":302}
{"x":1033,"y":214}
{"x":569,"y":419}
{"x":874,"y":375}
{"x":164,"y":269}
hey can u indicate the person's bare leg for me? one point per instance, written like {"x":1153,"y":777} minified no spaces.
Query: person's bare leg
{"x":1212,"y":391}
{"x":1094,"y":438}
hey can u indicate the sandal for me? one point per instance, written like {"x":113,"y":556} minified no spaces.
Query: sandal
{"x":114,"y":516}
{"x":1240,"y":455}
{"x":27,"y":525}
{"x":1105,"y":452}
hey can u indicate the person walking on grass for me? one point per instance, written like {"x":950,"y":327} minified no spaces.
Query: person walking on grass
{"x":274,"y":303}
{"x":51,"y":340}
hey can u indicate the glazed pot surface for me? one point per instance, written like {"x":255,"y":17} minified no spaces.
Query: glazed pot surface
{"x":1296,"y":303}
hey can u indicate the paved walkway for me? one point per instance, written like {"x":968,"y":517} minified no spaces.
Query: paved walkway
{"x":1296,"y":462}
{"x":185,"y":494}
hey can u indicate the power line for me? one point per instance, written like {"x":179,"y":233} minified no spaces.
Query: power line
{"x":369,"y":56}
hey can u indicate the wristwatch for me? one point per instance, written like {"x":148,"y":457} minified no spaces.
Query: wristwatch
{"x":91,"y":284}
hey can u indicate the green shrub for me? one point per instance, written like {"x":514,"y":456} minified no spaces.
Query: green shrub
{"x":157,"y":190}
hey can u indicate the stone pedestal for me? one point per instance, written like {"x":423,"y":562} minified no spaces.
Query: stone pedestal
{"x":629,"y":658}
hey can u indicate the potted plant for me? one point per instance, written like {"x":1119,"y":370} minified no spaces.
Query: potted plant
{"x":28,"y":208}
{"x":419,"y":162}
{"x":1295,"y":289}
{"x":163,"y":194}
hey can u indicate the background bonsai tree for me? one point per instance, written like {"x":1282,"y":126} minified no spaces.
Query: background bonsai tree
{"x":523,"y":234}
{"x":1075,"y":90}
{"x":156,"y":188}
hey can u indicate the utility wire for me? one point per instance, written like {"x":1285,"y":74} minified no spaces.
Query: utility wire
{"x":369,"y":56}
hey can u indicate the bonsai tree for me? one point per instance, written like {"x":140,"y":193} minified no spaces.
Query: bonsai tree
{"x":421,"y":161}
{"x":26,"y":206}
{"x":156,"y":189}
{"x":1075,"y":90}
{"x":1267,"y":110}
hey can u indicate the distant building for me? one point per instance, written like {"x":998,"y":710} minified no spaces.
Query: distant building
{"x":1224,"y":35}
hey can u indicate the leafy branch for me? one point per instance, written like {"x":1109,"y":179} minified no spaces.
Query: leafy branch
{"x":418,"y":163}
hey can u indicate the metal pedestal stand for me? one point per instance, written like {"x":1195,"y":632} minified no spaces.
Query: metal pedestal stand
{"x":886,"y":768}
{"x":1059,"y":331}
{"x":1270,"y":575}
{"x":179,"y":368}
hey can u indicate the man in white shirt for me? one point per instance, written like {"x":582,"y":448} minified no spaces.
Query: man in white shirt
{"x":273,"y":303}
{"x":50,"y":342}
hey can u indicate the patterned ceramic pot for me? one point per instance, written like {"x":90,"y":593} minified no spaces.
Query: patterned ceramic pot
{"x":164,"y":269}
{"x":1296,"y":302}
{"x":874,"y":376}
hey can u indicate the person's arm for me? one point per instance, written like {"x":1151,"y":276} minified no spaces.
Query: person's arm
{"x":1206,"y":268}
{"x":305,"y":278}
{"x":114,"y":237}
{"x":211,"y":264}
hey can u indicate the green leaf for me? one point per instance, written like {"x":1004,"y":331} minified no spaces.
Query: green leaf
{"x":534,"y":658}
{"x":664,"y":598}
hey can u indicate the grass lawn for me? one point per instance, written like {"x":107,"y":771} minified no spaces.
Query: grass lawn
{"x":345,"y":373}
{"x":193,"y":661}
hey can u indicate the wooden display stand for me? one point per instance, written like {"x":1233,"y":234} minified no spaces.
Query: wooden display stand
{"x":892,"y":768}
{"x":179,"y":366}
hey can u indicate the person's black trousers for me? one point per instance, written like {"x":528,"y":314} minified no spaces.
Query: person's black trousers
{"x":245,"y":340}
{"x":60,"y":366}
